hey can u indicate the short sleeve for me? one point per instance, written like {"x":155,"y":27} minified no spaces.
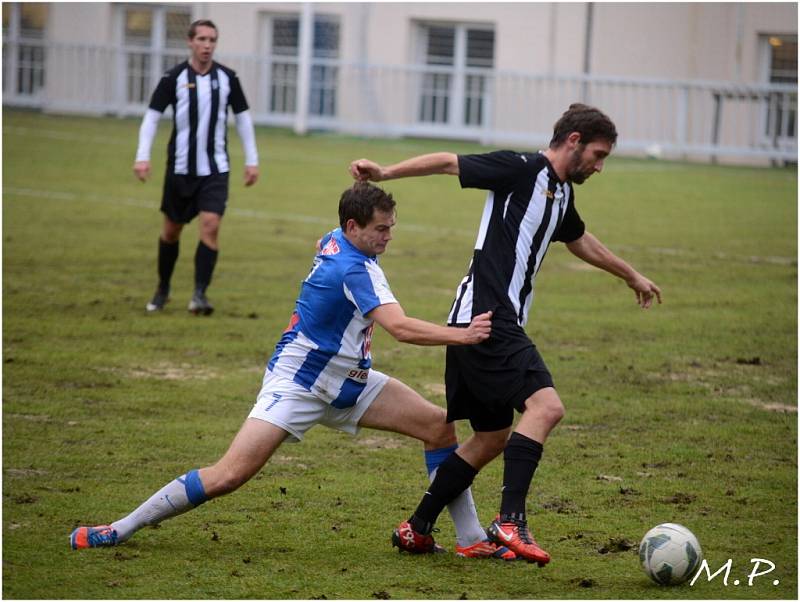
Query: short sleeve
{"x":365,"y":285}
{"x":164,"y":94}
{"x":572,"y":226}
{"x":498,"y":170}
{"x":237,"y":100}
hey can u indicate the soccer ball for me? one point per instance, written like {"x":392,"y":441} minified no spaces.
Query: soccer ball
{"x":670,"y":554}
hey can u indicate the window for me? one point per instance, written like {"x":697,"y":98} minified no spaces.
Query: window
{"x":24,"y":55}
{"x":284,"y":34}
{"x":154,"y":39}
{"x":454,"y":90}
{"x":781,"y":69}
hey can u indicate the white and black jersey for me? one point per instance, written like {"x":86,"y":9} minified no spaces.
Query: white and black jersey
{"x":198,"y":146}
{"x":527,"y":207}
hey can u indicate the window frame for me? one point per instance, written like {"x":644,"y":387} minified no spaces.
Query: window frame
{"x":465,"y":107}
{"x":325,"y":88}
{"x":159,"y":54}
{"x":14,"y":41}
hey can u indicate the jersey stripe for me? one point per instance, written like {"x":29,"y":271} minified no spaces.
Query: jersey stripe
{"x":192,"y":122}
{"x":212,"y":124}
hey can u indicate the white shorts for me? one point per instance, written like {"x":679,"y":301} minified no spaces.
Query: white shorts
{"x":289,"y":406}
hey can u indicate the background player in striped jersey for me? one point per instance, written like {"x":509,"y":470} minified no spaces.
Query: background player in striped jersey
{"x":196,"y":182}
{"x":321,"y":373}
{"x":531,"y":202}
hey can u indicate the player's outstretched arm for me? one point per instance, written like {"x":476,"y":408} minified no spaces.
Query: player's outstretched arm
{"x":592,"y":251}
{"x":422,"y":165}
{"x":419,"y":332}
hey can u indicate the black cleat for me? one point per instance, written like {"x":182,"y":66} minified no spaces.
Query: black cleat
{"x":200,"y":305}
{"x":160,"y":299}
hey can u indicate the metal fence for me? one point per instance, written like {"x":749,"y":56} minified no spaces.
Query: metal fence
{"x":692,"y":119}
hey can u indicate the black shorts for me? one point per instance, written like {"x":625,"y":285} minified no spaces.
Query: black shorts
{"x":486,"y":382}
{"x":186,"y":196}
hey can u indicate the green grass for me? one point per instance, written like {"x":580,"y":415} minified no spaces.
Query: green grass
{"x":683,"y":413}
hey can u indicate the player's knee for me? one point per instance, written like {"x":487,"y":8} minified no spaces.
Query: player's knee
{"x":555,"y":410}
{"x":441,"y":433}
{"x":546,"y":408}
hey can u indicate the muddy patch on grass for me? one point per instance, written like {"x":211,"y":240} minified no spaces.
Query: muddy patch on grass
{"x":773,"y":407}
{"x":434,"y":389}
{"x":167,"y":371}
{"x":24,"y":472}
{"x":377,"y":442}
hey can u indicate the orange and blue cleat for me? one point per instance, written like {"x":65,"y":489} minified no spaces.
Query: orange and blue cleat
{"x":485,"y":549}
{"x":93,"y":537}
{"x":515,"y":536}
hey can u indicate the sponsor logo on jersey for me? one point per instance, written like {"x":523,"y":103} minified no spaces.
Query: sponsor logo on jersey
{"x":332,"y":248}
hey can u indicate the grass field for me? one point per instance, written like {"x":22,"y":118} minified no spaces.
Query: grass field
{"x":684,"y":413}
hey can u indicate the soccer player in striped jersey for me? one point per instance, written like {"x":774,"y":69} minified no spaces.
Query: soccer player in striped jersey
{"x":530,"y":203}
{"x":321,"y":373}
{"x":200,"y":91}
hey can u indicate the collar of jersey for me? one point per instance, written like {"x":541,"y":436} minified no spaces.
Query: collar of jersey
{"x":345,"y":241}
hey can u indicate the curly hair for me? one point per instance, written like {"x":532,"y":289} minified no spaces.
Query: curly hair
{"x":591,"y":123}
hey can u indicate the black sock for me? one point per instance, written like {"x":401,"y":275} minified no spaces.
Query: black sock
{"x":205,"y":258}
{"x":521,"y":457}
{"x":453,"y":476}
{"x":167,"y":256}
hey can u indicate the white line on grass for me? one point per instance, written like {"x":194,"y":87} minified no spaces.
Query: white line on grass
{"x":58,"y":195}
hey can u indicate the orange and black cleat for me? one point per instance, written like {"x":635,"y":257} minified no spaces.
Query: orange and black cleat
{"x":485,"y":549}
{"x":514,"y":534}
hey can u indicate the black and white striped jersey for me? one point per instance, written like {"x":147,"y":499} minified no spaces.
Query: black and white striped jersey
{"x":199,"y":142}
{"x":527,"y":207}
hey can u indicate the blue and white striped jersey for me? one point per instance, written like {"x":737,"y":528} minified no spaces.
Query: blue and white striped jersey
{"x":326,"y":347}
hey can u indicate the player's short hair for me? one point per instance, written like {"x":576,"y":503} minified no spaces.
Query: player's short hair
{"x":200,"y":23}
{"x":591,"y":123}
{"x":360,"y":201}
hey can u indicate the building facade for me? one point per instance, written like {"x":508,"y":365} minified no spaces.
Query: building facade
{"x":680,"y":79}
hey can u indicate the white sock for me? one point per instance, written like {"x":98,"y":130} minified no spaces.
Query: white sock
{"x":462,"y":509}
{"x":176,"y":497}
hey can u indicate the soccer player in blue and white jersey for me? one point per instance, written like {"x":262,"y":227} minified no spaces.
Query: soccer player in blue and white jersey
{"x":530,"y":203}
{"x":321,"y":373}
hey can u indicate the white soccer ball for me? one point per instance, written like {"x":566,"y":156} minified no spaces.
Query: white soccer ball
{"x":670,"y":554}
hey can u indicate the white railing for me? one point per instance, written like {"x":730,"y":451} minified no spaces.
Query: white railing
{"x":673,"y":118}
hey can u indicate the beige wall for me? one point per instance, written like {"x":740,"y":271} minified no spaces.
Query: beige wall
{"x":717,"y":41}
{"x":81,"y":22}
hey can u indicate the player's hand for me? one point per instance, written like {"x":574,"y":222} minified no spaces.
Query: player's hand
{"x":250,"y":174}
{"x":645,"y":290}
{"x":479,"y":329}
{"x":364,"y":170}
{"x":141,"y":169}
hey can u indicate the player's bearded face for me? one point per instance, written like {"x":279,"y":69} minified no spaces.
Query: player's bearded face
{"x":587,"y":159}
{"x":579,"y":168}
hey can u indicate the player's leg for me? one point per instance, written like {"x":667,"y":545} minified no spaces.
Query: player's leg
{"x":256,"y":441}
{"x":400,"y":409}
{"x":542,"y":412}
{"x":455,"y":474}
{"x":169,"y":239}
{"x":211,"y":198}
{"x":168,"y":248}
